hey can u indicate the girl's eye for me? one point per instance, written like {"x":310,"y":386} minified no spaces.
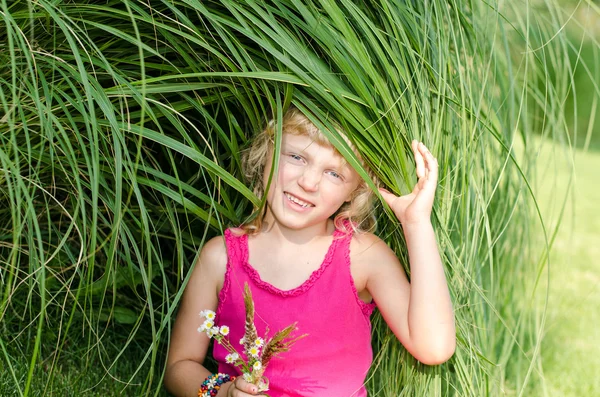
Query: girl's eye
{"x":335,"y":175}
{"x":295,"y":158}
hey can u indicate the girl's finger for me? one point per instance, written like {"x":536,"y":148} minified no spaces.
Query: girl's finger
{"x":432,"y":167}
{"x":418,"y":158}
{"x":241,"y":385}
{"x":389,"y":198}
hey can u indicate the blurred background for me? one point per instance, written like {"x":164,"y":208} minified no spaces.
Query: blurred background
{"x":570,"y":192}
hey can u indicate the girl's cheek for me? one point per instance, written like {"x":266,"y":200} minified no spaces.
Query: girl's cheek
{"x":334,"y":180}
{"x":288,"y":171}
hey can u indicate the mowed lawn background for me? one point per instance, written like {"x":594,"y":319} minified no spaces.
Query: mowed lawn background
{"x":570,"y":351}
{"x":568,"y":190}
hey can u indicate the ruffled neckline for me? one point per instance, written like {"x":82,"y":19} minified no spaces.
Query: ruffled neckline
{"x":306,"y":285}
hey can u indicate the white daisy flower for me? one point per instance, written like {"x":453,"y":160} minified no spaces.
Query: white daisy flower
{"x":213,"y":331}
{"x":257,"y":366}
{"x":224,"y":330}
{"x":229,"y":359}
{"x":210,"y":315}
{"x":234,"y":356}
{"x":208,"y":324}
{"x":247,"y":377}
{"x":259,"y":342}
{"x":253,"y":351}
{"x":242,"y":341}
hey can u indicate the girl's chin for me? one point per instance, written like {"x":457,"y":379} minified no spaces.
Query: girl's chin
{"x":295,"y":221}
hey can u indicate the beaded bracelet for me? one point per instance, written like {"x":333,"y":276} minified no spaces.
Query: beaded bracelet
{"x":211,"y":385}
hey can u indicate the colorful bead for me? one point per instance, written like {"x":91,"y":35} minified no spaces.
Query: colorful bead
{"x":211,"y":385}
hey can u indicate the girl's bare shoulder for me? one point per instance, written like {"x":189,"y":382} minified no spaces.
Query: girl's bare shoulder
{"x":368,"y":248}
{"x":369,"y":257}
{"x":213,"y":256}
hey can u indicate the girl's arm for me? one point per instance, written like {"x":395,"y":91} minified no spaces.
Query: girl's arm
{"x":188,"y":347}
{"x":420,"y":312}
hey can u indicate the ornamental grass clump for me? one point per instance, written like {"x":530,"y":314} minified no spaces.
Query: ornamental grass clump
{"x":258,"y":351}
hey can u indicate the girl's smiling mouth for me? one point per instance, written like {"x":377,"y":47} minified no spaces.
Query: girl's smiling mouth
{"x":298,"y":201}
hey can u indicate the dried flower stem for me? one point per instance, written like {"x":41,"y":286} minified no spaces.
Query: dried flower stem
{"x":250,"y":334}
{"x":278,"y":343}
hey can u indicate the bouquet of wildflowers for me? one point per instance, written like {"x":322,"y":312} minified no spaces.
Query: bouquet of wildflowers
{"x":257,"y":350}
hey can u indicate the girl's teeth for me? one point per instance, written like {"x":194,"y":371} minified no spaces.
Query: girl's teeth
{"x":297,"y":201}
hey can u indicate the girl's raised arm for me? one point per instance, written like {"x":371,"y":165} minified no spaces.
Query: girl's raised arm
{"x":420,"y":313}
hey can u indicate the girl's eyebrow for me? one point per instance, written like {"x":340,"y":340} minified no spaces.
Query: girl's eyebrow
{"x":340,"y":165}
{"x":296,"y":147}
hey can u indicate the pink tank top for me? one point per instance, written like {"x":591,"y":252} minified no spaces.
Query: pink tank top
{"x":335,"y":356}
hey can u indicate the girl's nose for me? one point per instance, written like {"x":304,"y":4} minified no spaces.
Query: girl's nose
{"x":309,"y":180}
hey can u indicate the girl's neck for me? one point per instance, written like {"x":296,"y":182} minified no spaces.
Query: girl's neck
{"x":279,"y":234}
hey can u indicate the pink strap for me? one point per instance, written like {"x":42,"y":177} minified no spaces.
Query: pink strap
{"x":232,"y":244}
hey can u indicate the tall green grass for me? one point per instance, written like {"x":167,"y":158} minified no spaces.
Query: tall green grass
{"x":121,"y":127}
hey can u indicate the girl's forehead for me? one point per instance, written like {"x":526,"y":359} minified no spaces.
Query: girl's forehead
{"x":308,"y":143}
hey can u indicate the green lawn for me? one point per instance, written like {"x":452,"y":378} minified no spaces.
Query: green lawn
{"x":571,"y":352}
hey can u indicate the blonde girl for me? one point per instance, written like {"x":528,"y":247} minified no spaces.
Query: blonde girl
{"x":311,"y":257}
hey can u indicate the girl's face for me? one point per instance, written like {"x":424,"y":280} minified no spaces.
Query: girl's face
{"x":313,"y":183}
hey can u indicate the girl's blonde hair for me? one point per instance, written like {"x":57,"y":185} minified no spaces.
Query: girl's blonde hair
{"x":358,"y":211}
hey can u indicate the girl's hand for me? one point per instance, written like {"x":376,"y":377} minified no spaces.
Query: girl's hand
{"x":238,"y":388}
{"x":416,"y":207}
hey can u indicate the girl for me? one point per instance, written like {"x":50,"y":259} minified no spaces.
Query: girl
{"x":308,"y":258}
